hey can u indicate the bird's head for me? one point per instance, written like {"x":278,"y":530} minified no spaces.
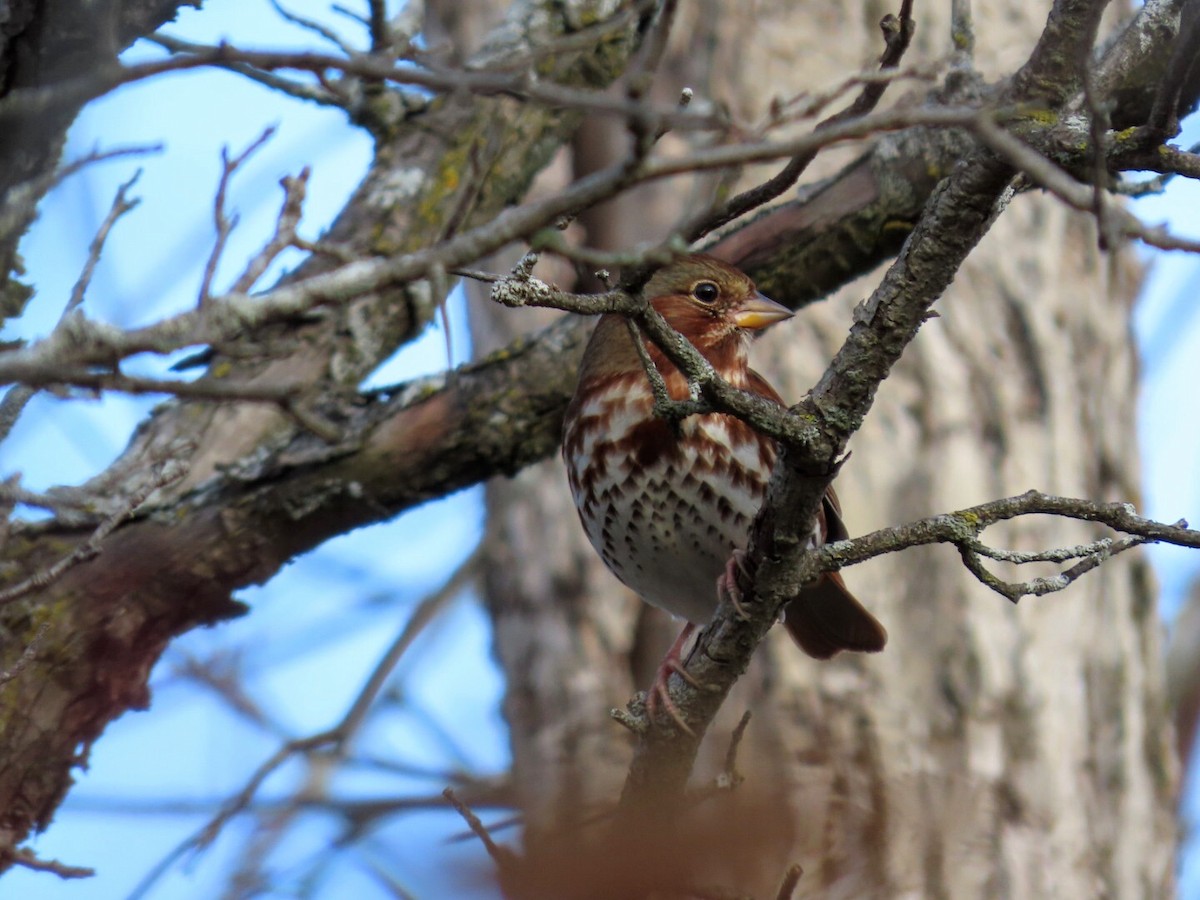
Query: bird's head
{"x":712,"y":304}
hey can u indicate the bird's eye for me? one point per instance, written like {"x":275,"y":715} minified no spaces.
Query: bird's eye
{"x":706,"y":292}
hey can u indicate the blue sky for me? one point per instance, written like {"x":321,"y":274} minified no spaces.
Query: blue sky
{"x":317,"y":629}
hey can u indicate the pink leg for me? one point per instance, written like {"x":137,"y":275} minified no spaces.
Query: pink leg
{"x":727,"y":585}
{"x":659,"y":691}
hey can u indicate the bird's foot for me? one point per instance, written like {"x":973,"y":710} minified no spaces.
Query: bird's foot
{"x":659,"y":692}
{"x":727,"y":583}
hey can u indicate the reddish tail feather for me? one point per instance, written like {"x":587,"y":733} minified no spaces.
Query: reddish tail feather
{"x":826,"y":618}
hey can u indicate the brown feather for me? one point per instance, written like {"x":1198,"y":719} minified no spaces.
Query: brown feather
{"x":826,"y":618}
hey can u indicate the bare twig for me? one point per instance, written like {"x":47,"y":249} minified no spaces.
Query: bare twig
{"x":642,"y":71}
{"x":425,"y":613}
{"x":1038,"y":587}
{"x":730,"y":777}
{"x":121,"y":204}
{"x":963,"y":528}
{"x":791,"y":878}
{"x":352,"y":15}
{"x":27,"y":655}
{"x":317,"y":28}
{"x":223,"y":223}
{"x":807,"y":104}
{"x":165,"y":473}
{"x":26,"y":859}
{"x":664,"y":406}
{"x":16,"y":399}
{"x":334,"y":741}
{"x":81,"y":342}
{"x":231,"y":808}
{"x":1180,"y":84}
{"x":897,"y":32}
{"x":12,"y":493}
{"x":381,"y":38}
{"x":501,"y":856}
{"x":222,"y":675}
{"x":282,"y":393}
{"x":1098,"y":128}
{"x":285,"y":231}
{"x":1074,"y":193}
{"x":21,"y":199}
{"x":300,"y":91}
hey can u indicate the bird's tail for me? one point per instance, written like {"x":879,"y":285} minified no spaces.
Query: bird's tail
{"x":826,"y":618}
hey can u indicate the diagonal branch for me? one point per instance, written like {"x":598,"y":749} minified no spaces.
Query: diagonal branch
{"x":955,"y":218}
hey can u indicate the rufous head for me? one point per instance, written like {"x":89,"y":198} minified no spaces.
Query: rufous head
{"x":710,"y":302}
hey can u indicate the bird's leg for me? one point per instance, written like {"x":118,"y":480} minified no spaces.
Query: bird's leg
{"x":659,"y":688}
{"x":727,"y":583}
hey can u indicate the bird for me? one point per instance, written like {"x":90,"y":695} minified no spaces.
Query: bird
{"x":668,"y":504}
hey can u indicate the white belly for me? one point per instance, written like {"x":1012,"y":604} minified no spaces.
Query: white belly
{"x":666,"y":524}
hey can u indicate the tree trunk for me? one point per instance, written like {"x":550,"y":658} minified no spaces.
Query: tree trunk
{"x":989,"y":750}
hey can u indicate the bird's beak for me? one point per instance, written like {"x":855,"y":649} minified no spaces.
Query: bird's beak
{"x":758,"y":312}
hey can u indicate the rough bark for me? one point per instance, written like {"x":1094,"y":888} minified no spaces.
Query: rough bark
{"x":1028,"y":754}
{"x":109,"y":620}
{"x":990,"y":750}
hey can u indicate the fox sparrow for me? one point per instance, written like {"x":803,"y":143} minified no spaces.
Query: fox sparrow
{"x":668,"y":505}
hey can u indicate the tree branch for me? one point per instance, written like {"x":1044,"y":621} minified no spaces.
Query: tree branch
{"x":955,"y":218}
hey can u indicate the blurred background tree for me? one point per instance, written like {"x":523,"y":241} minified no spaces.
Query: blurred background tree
{"x":990,"y":750}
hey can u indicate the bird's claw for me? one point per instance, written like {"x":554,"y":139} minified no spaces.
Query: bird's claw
{"x":727,"y":586}
{"x":660,"y":692}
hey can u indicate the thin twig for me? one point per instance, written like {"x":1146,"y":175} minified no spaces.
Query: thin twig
{"x":658,"y":386}
{"x":20,"y":201}
{"x":27,"y":655}
{"x":806,"y":104}
{"x":897,"y":32}
{"x":25,"y":858}
{"x":501,"y":856}
{"x":317,"y":28}
{"x":970,"y":551}
{"x":730,"y":777}
{"x":650,"y":54}
{"x":1107,"y":233}
{"x":165,"y":473}
{"x":12,"y":493}
{"x":224,"y":224}
{"x":231,"y":808}
{"x":120,"y":205}
{"x":426,"y":611}
{"x":16,"y":399}
{"x":334,"y":740}
{"x":1074,"y":193}
{"x":294,"y":189}
{"x":309,"y":92}
{"x":791,"y":878}
{"x":81,"y":342}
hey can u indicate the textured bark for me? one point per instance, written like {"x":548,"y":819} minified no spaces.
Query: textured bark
{"x":110,"y":619}
{"x":1027,"y":755}
{"x":990,"y":750}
